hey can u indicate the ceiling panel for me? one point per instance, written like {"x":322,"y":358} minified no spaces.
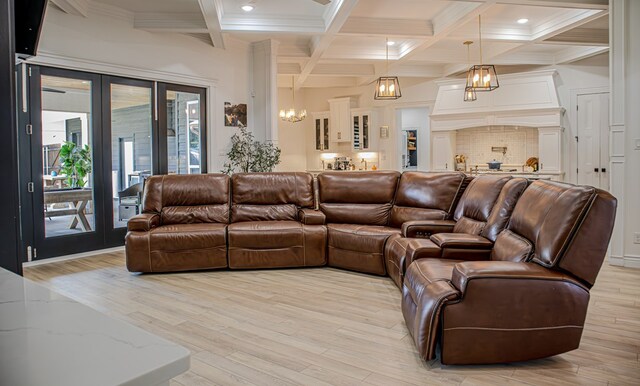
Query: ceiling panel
{"x":399,"y":9}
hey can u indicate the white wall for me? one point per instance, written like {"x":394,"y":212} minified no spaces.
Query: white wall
{"x":106,"y":42}
{"x":625,"y":129}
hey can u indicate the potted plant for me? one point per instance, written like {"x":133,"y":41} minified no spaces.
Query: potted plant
{"x":248,"y":155}
{"x":75,"y":163}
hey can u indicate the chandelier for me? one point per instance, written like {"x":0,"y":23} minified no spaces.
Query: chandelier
{"x":469,"y":94}
{"x":482,"y":77}
{"x":292,"y":115}
{"x":387,"y":87}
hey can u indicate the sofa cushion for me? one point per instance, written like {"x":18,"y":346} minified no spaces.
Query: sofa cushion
{"x":425,"y":196}
{"x":548,"y":213}
{"x":270,"y":196}
{"x":358,"y":247}
{"x":185,"y":199}
{"x":177,"y":247}
{"x":276,"y":244}
{"x":357,"y":197}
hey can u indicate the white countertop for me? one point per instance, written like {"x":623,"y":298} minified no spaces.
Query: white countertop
{"x":49,"y":339}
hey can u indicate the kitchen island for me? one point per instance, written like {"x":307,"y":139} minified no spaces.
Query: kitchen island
{"x":49,"y":339}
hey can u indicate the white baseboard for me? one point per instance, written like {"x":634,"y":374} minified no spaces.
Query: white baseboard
{"x":71,"y":257}
{"x":625,"y":261}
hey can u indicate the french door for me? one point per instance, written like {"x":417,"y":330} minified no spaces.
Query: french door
{"x":89,"y":143}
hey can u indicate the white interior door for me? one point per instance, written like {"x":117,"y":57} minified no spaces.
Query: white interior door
{"x":593,"y":140}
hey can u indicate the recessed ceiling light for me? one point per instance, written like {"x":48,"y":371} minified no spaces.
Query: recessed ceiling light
{"x":247,"y":8}
{"x":390,"y":43}
{"x":523,"y":21}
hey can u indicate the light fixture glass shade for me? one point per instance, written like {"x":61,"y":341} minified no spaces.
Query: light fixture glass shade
{"x":387,"y":87}
{"x":470,"y":95}
{"x":292,"y":115}
{"x":482,"y":77}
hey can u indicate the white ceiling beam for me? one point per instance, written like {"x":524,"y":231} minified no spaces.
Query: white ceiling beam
{"x":369,"y":26}
{"x":73,"y":7}
{"x":581,"y":36}
{"x":574,"y":54}
{"x":320,"y":44}
{"x":581,"y":4}
{"x":343,"y":69}
{"x":565,"y":22}
{"x":170,"y":22}
{"x":288,"y":69}
{"x":211,"y":13}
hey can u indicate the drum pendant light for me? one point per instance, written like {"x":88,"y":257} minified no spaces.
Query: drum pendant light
{"x":482,"y":77}
{"x":387,"y":87}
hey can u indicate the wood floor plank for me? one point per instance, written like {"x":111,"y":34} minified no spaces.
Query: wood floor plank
{"x":328,"y":326}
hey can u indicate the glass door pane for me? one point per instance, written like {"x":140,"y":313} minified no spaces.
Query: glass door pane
{"x":184,"y":131}
{"x":67,"y":157}
{"x":131,"y":115}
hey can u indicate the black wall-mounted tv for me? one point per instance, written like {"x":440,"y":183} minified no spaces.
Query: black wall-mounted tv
{"x":29,"y":15}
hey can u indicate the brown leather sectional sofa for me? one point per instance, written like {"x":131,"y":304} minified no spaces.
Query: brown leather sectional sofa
{"x":494,"y":269}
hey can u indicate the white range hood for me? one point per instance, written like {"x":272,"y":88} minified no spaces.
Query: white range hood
{"x":524,"y":99}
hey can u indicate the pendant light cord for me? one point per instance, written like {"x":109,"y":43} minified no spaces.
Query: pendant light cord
{"x":387,"y":47}
{"x":480,"y":36}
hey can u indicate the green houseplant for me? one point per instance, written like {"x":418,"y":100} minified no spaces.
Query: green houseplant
{"x":249,"y":155}
{"x":75,"y":163}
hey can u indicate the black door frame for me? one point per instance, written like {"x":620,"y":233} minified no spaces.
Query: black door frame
{"x":115,"y":236}
{"x":72,"y":243}
{"x":104,"y":235}
{"x":163,"y":156}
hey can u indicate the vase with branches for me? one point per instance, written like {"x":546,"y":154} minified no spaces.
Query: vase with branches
{"x":249,"y":155}
{"x":75,"y":163}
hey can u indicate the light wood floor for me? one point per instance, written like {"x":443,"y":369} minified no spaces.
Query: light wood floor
{"x":326,"y":326}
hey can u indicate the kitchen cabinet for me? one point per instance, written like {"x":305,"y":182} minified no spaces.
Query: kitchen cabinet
{"x":361,"y":125}
{"x":340,"y":119}
{"x":443,"y":145}
{"x":550,"y":149}
{"x":321,"y":129}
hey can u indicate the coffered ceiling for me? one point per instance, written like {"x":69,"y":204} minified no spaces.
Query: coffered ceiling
{"x":342,"y":42}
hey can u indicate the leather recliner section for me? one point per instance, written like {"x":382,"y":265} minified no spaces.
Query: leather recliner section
{"x":183,"y":224}
{"x":356,"y":206}
{"x":265,"y":229}
{"x":532,"y":291}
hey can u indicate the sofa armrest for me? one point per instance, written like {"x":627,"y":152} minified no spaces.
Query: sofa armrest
{"x":461,"y":241}
{"x":311,"y":217}
{"x":491,"y":271}
{"x":425,"y":228}
{"x":143,"y":222}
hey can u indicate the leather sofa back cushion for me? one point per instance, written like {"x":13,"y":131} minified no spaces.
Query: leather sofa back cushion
{"x":469,"y":226}
{"x":357,"y":187}
{"x":435,"y":191}
{"x":357,"y":197}
{"x":511,"y":247}
{"x":365,"y":214}
{"x":206,"y":190}
{"x":479,"y":197}
{"x":195,"y":214}
{"x":588,"y":249}
{"x":286,"y":212}
{"x":273,"y":189}
{"x":547,"y":214}
{"x":503,"y":208}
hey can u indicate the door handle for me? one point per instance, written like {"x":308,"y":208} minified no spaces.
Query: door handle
{"x":596,"y":170}
{"x":603,"y":170}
